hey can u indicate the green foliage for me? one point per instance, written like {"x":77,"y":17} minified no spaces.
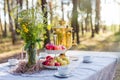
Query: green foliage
{"x":31,"y":26}
{"x":85,"y":6}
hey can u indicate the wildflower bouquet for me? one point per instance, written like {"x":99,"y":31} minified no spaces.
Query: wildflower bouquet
{"x":32,"y":30}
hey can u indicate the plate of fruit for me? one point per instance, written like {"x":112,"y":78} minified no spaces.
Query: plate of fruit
{"x":55,"y":49}
{"x":56,"y":62}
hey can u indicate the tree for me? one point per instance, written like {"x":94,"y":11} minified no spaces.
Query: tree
{"x":51,"y":11}
{"x":62,"y":10}
{"x":118,"y":2}
{"x":91,"y":20}
{"x":1,"y":29}
{"x":86,"y":23}
{"x":86,"y":7}
{"x":97,"y":17}
{"x":74,"y":22}
{"x":44,"y":9}
{"x":19,"y":4}
{"x":5,"y":26}
{"x":92,"y":29}
{"x":13,"y":32}
{"x":27,"y":4}
{"x":82,"y":28}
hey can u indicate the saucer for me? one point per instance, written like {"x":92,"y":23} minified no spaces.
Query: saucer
{"x":62,"y":76}
{"x":87,"y":61}
{"x":12,"y":62}
{"x":74,"y":58}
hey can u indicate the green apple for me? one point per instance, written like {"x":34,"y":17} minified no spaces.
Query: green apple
{"x":66,"y":59}
{"x":55,"y":60}
{"x":58,"y":59}
{"x":64,"y":63}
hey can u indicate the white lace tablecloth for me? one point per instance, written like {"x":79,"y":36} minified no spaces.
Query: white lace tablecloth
{"x":102,"y":68}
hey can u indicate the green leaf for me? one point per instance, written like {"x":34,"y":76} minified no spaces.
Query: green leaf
{"x":27,"y":45}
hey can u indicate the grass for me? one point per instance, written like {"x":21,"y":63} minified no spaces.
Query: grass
{"x":6,"y":45}
{"x":102,"y":42}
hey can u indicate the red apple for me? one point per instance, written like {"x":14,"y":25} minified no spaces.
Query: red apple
{"x":56,"y":47}
{"x":51,"y":58}
{"x":63,"y":47}
{"x":49,"y":46}
{"x":52,"y":63}
{"x":60,"y":47}
{"x":57,"y":64}
{"x":48,"y":57}
{"x":46,"y":63}
{"x":43,"y":63}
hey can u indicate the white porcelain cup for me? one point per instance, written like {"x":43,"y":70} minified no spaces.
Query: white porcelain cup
{"x":12,"y":61}
{"x":87,"y":59}
{"x":64,"y":70}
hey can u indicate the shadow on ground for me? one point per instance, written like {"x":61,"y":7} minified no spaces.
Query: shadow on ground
{"x":109,"y":44}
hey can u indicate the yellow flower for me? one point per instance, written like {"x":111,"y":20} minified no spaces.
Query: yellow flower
{"x":18,"y":30}
{"x":23,"y":26}
{"x":49,"y":27}
{"x":26,"y":30}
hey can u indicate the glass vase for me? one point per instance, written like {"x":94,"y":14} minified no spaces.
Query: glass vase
{"x":31,"y":54}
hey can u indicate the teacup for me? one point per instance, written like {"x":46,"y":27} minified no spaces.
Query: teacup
{"x":87,"y":59}
{"x":63,"y":70}
{"x":12,"y":61}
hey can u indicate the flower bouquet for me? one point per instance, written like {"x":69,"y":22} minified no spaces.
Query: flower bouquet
{"x":32,"y":30}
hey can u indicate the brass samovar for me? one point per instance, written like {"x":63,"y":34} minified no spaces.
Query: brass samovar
{"x":63,"y":36}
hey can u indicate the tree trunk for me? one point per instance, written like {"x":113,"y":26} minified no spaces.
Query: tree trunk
{"x":27,"y":4}
{"x":1,"y":29}
{"x":82,"y":29}
{"x":16,"y":20}
{"x":92,"y":29}
{"x":51,"y":12}
{"x":97,"y":18}
{"x":5,"y":27}
{"x":74,"y":22}
{"x":21,"y":3}
{"x":86,"y":23}
{"x":44,"y":8}
{"x":62,"y":10}
{"x":13,"y":34}
{"x":1,"y":25}
{"x":73,"y":33}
